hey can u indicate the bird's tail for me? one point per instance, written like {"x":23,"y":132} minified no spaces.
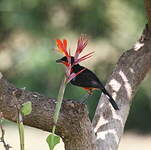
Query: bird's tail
{"x":110,"y":99}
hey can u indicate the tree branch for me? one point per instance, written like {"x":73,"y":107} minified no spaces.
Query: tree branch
{"x":2,"y":139}
{"x":73,"y":126}
{"x":130,"y":70}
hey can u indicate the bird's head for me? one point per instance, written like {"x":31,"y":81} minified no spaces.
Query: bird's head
{"x":64,"y":60}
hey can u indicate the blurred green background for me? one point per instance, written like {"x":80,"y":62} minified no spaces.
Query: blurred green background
{"x":28,"y":29}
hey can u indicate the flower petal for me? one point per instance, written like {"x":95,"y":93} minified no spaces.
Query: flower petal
{"x":83,"y":58}
{"x":82,"y":43}
{"x":62,"y":46}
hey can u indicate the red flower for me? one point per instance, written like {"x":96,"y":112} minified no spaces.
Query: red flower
{"x":81,"y":44}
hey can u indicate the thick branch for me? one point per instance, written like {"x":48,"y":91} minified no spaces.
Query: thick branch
{"x":74,"y":125}
{"x":130,"y":70}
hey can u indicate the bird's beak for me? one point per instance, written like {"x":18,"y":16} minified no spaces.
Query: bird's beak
{"x":58,"y":61}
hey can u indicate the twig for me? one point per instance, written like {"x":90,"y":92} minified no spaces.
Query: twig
{"x":6,"y":146}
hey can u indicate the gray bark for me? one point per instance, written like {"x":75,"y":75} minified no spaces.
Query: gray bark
{"x":130,"y":70}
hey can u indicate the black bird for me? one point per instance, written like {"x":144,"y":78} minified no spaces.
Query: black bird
{"x":87,"y":80}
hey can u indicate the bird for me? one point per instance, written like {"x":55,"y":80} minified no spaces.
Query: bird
{"x":87,"y":79}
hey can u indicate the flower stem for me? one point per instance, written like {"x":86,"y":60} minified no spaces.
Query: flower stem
{"x":59,"y":103}
{"x":21,"y":130}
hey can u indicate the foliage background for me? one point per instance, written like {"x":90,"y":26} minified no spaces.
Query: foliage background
{"x":28,"y":29}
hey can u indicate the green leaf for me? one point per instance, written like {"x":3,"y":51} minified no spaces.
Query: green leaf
{"x":52,"y":141}
{"x":26,"y":108}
